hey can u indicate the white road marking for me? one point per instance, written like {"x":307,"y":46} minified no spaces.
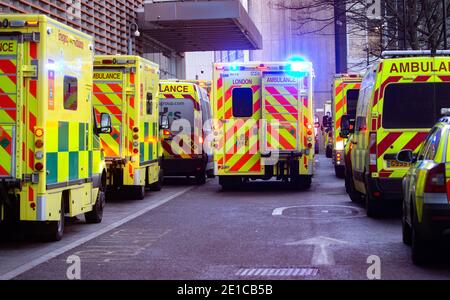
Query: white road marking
{"x":322,"y":255}
{"x":280,"y":210}
{"x":34,"y":263}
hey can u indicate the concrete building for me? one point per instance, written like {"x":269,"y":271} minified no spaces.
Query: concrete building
{"x":280,"y":42}
{"x":168,"y":29}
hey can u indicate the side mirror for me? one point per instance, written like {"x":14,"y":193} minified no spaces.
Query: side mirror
{"x":105,"y":123}
{"x":346,"y":127}
{"x":406,"y":156}
{"x":164,"y":122}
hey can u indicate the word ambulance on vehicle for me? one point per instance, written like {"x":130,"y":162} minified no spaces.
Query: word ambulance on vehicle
{"x":51,"y":164}
{"x":345,"y":98}
{"x":400,"y":100}
{"x":127,"y":88}
{"x":264,"y":122}
{"x":187,"y":149}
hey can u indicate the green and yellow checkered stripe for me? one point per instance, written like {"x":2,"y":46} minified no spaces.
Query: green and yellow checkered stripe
{"x":68,"y":153}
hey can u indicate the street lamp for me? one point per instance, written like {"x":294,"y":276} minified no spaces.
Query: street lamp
{"x":134,"y":32}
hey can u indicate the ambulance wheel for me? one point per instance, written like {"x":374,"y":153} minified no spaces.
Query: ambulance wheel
{"x":374,"y":207}
{"x":406,"y":232}
{"x":200,"y":178}
{"x":95,"y":216}
{"x":339,"y":171}
{"x":354,"y":195}
{"x":418,"y":244}
{"x":138,"y":192}
{"x":230,"y":182}
{"x":210,"y":174}
{"x":54,"y":230}
{"x":157,"y":186}
{"x":302,"y":182}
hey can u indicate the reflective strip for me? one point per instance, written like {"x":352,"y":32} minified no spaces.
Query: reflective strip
{"x":41,"y":208}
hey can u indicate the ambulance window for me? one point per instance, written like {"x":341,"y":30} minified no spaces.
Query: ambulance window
{"x":242,"y":102}
{"x":352,"y":101}
{"x":149,"y":104}
{"x":409,"y":105}
{"x":70,"y":93}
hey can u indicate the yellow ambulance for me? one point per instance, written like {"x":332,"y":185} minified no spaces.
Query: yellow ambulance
{"x":345,"y":97}
{"x":400,"y":100}
{"x":264,"y":122}
{"x":51,"y":164}
{"x":127,"y":88}
{"x":187,"y":148}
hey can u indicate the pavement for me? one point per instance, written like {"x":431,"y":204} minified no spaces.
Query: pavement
{"x":263,"y":231}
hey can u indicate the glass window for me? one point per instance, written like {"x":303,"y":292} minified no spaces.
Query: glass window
{"x":149,"y":104}
{"x":70,"y":93}
{"x":414,"y":105}
{"x":352,"y":101}
{"x":433,"y":144}
{"x":242,"y":102}
{"x":426,"y":145}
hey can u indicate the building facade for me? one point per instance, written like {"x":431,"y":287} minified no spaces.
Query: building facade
{"x":109,"y":22}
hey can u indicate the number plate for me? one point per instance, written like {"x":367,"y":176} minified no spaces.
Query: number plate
{"x":397,"y":164}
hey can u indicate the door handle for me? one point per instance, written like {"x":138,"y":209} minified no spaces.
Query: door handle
{"x":354,"y":143}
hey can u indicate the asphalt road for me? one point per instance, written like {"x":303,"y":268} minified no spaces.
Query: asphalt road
{"x":264,"y":231}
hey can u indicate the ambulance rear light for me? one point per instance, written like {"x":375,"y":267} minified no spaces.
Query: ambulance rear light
{"x":39,"y":155}
{"x":135,"y":151}
{"x":39,"y":144}
{"x":39,"y":132}
{"x":166,"y":132}
{"x":435,"y":181}
{"x":135,"y":129}
{"x":39,"y":166}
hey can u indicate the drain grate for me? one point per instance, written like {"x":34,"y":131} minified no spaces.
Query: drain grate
{"x":277,"y":272}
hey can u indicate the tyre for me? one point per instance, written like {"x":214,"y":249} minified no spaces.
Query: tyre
{"x":157,"y":186}
{"x":54,"y":230}
{"x":406,"y":229}
{"x":138,"y":192}
{"x":339,"y":171}
{"x":200,"y":178}
{"x":418,"y":243}
{"x":230,"y":182}
{"x":95,"y":216}
{"x":302,"y":182}
{"x":354,"y":195}
{"x":210,"y":174}
{"x":374,"y":207}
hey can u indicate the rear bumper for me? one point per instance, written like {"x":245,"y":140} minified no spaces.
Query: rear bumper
{"x":436,"y":221}
{"x":183,"y":166}
{"x":388,"y":188}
